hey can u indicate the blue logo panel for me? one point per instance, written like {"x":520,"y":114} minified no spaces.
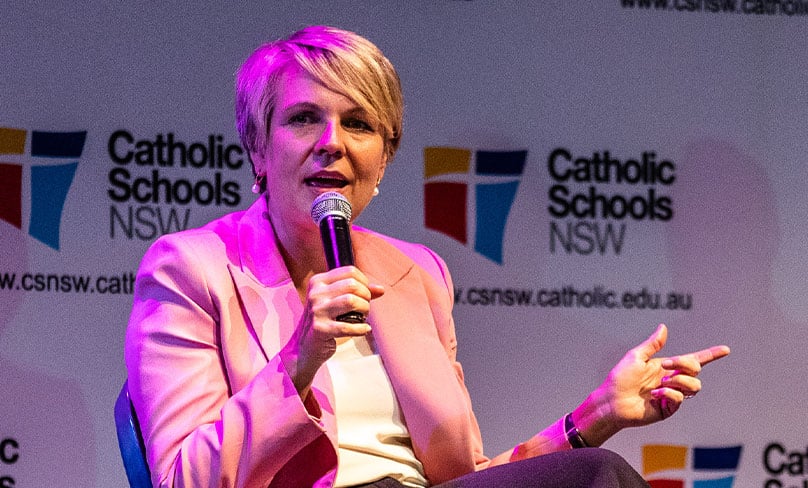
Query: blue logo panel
{"x":494,"y":202}
{"x":716,"y":483}
{"x":57,"y":144}
{"x":501,"y":163}
{"x":49,"y":187}
{"x":709,"y":458}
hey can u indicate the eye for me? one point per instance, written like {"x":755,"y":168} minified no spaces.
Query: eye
{"x":302,"y":118}
{"x":358,"y":124}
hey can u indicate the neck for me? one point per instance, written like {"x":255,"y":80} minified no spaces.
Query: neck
{"x":302,"y":253}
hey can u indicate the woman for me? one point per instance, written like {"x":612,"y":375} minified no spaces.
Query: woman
{"x":242,"y":376}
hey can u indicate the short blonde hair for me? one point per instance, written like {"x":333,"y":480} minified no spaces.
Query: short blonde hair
{"x":341,"y":60}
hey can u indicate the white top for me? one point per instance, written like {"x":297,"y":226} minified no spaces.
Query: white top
{"x":373,"y":440}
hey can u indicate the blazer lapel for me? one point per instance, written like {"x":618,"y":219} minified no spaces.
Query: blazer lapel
{"x":265,"y":290}
{"x":404,"y":329}
{"x":270,"y":304}
{"x":433,"y":403}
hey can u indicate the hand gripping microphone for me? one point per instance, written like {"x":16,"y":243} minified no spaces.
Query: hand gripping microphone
{"x":332,"y":213}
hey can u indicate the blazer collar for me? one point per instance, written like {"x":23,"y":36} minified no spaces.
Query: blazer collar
{"x":404,"y":331}
{"x":265,"y":288}
{"x":260,"y":256}
{"x":258,"y":250}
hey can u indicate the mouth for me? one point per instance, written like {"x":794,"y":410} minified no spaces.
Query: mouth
{"x":326,"y":180}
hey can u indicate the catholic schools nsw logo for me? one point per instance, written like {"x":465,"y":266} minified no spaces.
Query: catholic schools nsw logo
{"x":48,"y":166}
{"x":456,"y":180}
{"x":673,"y":466}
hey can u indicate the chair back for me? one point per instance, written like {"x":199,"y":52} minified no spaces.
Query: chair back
{"x":130,"y":441}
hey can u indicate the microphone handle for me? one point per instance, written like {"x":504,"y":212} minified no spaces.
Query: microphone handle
{"x":336,"y":236}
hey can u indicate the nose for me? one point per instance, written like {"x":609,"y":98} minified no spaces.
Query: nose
{"x":330,"y":145}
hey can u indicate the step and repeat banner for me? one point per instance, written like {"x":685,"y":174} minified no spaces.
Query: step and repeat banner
{"x":588,"y":170}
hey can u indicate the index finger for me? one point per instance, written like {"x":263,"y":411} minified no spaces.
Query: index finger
{"x":348,"y":271}
{"x":707,"y":356}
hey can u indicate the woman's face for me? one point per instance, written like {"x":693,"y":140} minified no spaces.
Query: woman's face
{"x":318,"y":141}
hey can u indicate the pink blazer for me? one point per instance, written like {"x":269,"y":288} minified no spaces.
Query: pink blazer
{"x":212,"y":308}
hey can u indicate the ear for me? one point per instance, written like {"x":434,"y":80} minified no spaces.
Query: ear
{"x":258,"y":164}
{"x":382,"y":168}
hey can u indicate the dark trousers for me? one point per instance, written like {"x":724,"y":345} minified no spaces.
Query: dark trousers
{"x":578,"y":468}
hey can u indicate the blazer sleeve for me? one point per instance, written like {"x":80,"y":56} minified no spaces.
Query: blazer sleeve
{"x":198,"y":432}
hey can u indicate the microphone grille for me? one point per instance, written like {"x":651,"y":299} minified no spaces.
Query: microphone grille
{"x":330,"y":203}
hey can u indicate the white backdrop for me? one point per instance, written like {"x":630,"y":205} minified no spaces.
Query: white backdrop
{"x":719,"y":95}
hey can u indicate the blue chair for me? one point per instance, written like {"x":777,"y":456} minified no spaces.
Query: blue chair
{"x":130,"y":441}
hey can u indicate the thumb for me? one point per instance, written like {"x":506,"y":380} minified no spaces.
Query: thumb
{"x":375,"y":290}
{"x":649,"y":347}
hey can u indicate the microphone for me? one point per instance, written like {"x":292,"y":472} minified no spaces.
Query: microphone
{"x":332,"y":213}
